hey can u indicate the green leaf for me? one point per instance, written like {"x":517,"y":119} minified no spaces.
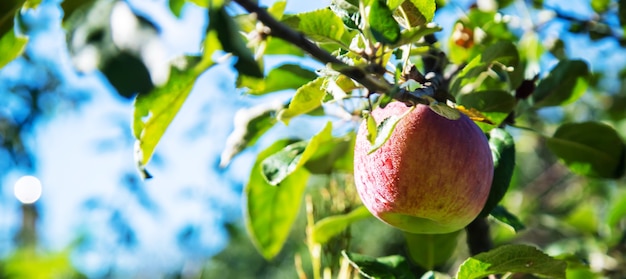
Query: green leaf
{"x":321,"y":26}
{"x":231,"y":41}
{"x":287,"y":76}
{"x":382,"y":24}
{"x":616,"y":210}
{"x":621,"y":12}
{"x":502,"y":147}
{"x":385,"y":128}
{"x":306,"y":99}
{"x":506,"y":217}
{"x":8,"y":10}
{"x":371,"y":125}
{"x":435,"y":275}
{"x":590,"y":148}
{"x":11,"y":47}
{"x":250,"y":125}
{"x":155,"y":110}
{"x":390,"y":267}
{"x":271,"y":211}
{"x":277,"y":10}
{"x":431,"y":250}
{"x":564,"y":85}
{"x":413,"y":13}
{"x":331,"y":226}
{"x":503,"y":52}
{"x":333,"y":155}
{"x":413,"y":35}
{"x":279,"y":166}
{"x":498,"y":57}
{"x":176,"y":6}
{"x":514,"y":259}
{"x":488,"y":101}
{"x":600,"y":6}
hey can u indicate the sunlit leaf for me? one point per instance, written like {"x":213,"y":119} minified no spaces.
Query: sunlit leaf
{"x":382,"y":24}
{"x":502,"y":147}
{"x":286,"y":76}
{"x":11,"y":47}
{"x":321,"y":26}
{"x":385,"y":267}
{"x":514,"y":259}
{"x":278,"y":166}
{"x":327,"y":228}
{"x":590,"y":148}
{"x":176,"y":6}
{"x":155,"y":110}
{"x":413,"y":13}
{"x":250,"y":125}
{"x":565,"y":84}
{"x":431,"y":250}
{"x":270,"y":211}
{"x":307,"y":98}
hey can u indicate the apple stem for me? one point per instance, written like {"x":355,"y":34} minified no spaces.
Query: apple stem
{"x":478,"y":236}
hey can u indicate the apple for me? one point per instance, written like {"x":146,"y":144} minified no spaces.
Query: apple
{"x":433,"y":175}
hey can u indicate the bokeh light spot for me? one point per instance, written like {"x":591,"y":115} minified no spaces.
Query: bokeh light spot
{"x":27,"y":189}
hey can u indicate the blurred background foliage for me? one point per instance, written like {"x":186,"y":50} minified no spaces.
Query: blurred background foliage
{"x":563,"y":213}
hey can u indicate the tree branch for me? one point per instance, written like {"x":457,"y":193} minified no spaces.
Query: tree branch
{"x":370,"y":81}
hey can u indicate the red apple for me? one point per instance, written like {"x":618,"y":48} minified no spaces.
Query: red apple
{"x":433,"y":175}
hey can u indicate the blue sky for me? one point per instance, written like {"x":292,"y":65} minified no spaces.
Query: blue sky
{"x":83,"y":155}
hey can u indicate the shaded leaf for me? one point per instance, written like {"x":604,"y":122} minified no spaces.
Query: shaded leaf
{"x":271,"y":211}
{"x":306,"y":99}
{"x":380,"y":268}
{"x":287,"y":76}
{"x":431,"y":250}
{"x":231,"y":41}
{"x":279,"y":166}
{"x":621,"y":12}
{"x":327,"y":228}
{"x":413,"y":35}
{"x":333,"y":155}
{"x":11,"y":47}
{"x":590,"y":148}
{"x":435,"y":275}
{"x":564,"y":85}
{"x":502,"y":147}
{"x":504,"y":216}
{"x":8,"y":10}
{"x":382,"y":24}
{"x":514,"y":259}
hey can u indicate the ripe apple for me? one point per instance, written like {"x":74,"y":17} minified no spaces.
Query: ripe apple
{"x":433,"y":175}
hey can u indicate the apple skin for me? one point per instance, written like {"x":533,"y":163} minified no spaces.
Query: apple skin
{"x":432,"y":176}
